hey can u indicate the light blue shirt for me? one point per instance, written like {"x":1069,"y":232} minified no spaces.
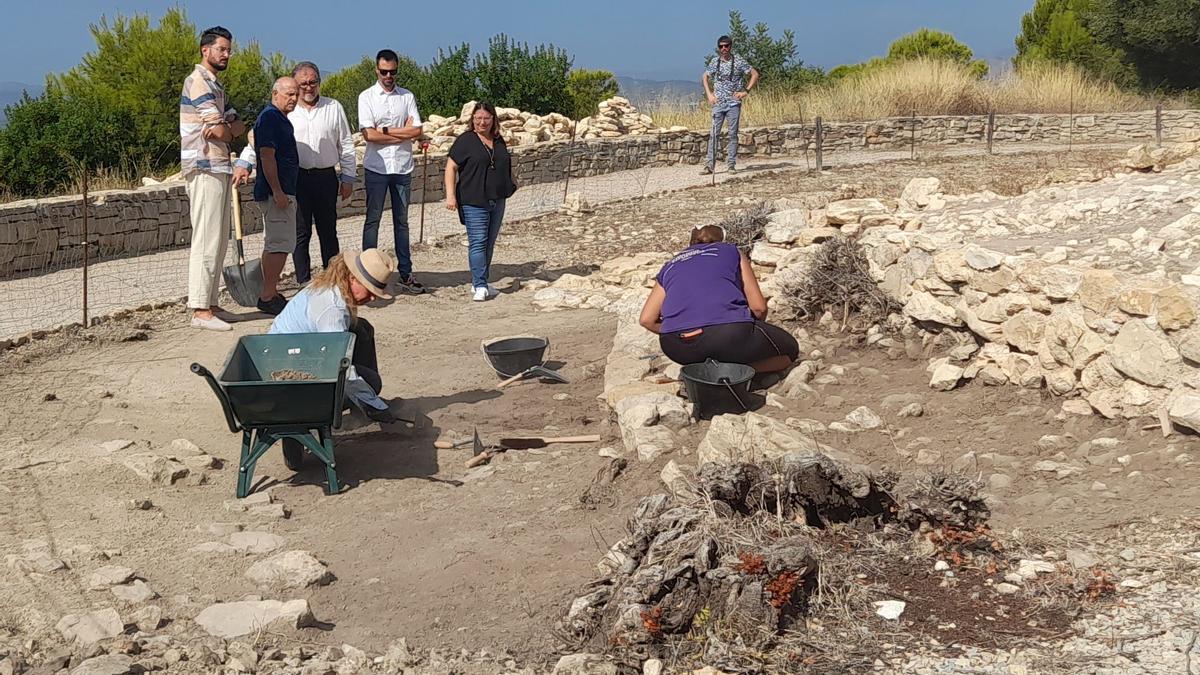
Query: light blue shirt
{"x":323,"y":310}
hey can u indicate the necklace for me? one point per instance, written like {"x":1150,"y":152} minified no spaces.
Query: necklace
{"x":491,"y":151}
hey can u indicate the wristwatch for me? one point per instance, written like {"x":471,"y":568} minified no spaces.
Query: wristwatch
{"x":384,"y":129}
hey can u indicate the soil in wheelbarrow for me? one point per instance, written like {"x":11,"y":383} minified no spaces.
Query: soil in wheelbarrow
{"x":288,"y":374}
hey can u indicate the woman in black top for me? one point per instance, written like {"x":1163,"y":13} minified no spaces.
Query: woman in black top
{"x":478,"y":180}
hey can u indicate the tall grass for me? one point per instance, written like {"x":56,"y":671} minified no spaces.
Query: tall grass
{"x":928,"y":87}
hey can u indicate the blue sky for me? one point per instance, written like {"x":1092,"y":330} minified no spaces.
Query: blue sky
{"x":663,"y":40}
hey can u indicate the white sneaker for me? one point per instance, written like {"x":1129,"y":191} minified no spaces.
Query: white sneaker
{"x":481,"y":294}
{"x":210,"y":324}
{"x":492,"y":292}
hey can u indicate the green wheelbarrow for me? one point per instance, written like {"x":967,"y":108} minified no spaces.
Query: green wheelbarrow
{"x":287,"y":388}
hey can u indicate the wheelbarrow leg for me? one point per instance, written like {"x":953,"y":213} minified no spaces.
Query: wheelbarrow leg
{"x":251,"y":453}
{"x":322,"y":447}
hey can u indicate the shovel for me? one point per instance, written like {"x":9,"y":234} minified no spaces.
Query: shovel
{"x":484,"y":454}
{"x":539,"y":371}
{"x":244,"y":280}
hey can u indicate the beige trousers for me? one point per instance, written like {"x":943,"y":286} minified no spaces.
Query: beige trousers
{"x":208,"y":197}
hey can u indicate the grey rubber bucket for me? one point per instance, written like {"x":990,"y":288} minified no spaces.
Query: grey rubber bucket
{"x":717,"y":388}
{"x":513,"y":356}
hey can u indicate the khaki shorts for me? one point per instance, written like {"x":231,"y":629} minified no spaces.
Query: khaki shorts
{"x":279,"y":227}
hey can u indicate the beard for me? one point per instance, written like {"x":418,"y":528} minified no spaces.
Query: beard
{"x":219,"y":66}
{"x":311,"y":98}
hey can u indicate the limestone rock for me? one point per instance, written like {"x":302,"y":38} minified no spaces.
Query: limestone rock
{"x":784,"y":227}
{"x":255,"y":542}
{"x":291,"y":569}
{"x":945,"y":376}
{"x":952,"y":266}
{"x":982,"y":259}
{"x":923,"y":306}
{"x":863,"y":417}
{"x":155,"y":469}
{"x":1145,"y":354}
{"x":849,"y":211}
{"x":109,"y":575}
{"x":1173,"y":309}
{"x":1099,"y":289}
{"x":134,"y":593}
{"x":108,"y":664}
{"x":235,"y":619}
{"x":766,"y":255}
{"x":1060,"y":282}
{"x":920,"y":192}
{"x":1024,"y":331}
{"x":1184,"y":410}
{"x":89,"y":628}
{"x":752,"y":438}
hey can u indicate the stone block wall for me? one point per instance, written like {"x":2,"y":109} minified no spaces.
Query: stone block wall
{"x":44,"y":234}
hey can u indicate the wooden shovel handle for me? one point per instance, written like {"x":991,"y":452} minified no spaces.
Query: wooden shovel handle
{"x":510,"y":380}
{"x":235,"y":199}
{"x":593,"y":438}
{"x":447,"y":445}
{"x":481,"y":458}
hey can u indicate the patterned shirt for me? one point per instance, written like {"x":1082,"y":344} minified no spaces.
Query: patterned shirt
{"x":202,"y":105}
{"x":727,"y":77}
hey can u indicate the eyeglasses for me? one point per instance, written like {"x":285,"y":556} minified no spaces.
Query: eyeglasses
{"x":309,"y":84}
{"x":386,"y":72}
{"x":726,"y":46}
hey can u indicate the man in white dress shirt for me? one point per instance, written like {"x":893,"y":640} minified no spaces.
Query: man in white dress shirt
{"x":388,"y":117}
{"x":327,"y":167}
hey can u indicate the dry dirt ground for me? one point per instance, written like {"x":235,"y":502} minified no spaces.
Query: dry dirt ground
{"x":426,"y":549}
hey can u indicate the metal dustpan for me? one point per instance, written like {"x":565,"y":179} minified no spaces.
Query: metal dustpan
{"x":244,"y":281}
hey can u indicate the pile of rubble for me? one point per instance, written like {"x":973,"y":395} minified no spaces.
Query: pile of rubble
{"x":517,"y":127}
{"x":618,"y":117}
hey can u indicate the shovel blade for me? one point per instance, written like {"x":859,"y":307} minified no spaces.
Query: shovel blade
{"x":244,"y":282}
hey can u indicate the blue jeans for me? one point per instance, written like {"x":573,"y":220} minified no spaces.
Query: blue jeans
{"x":398,"y":185}
{"x":483,"y":228}
{"x":721,"y":113}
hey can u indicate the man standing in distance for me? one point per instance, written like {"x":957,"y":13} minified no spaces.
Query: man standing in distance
{"x":725,"y":93}
{"x":278,"y":172}
{"x":206,"y":127}
{"x":326,"y":148}
{"x":388,"y":117}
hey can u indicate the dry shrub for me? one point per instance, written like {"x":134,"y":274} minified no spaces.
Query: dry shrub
{"x":746,"y":227}
{"x":930,"y":87}
{"x":838,"y":280}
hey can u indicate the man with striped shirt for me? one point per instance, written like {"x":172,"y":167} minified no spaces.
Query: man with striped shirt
{"x":206,"y":127}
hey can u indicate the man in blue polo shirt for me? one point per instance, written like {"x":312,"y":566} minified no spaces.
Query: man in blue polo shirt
{"x":275,"y":188}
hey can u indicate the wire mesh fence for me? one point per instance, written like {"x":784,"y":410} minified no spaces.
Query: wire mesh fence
{"x":132,"y":251}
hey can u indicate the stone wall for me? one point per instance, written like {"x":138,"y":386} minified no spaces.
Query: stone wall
{"x":45,"y":234}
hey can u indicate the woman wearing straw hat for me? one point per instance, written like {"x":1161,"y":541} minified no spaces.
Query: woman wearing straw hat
{"x":330,"y":303}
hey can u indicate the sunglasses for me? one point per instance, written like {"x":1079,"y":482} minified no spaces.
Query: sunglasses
{"x":724,"y":46}
{"x":391,"y":71}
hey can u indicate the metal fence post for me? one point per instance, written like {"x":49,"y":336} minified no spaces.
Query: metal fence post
{"x":991,"y":129}
{"x":424,"y":198}
{"x":820,"y":145}
{"x":570,"y":160}
{"x":1158,"y":124}
{"x":85,"y":247}
{"x":912,"y":136}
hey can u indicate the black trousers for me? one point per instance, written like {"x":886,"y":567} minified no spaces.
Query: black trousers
{"x":747,"y":342}
{"x":365,"y":360}
{"x":316,"y":200}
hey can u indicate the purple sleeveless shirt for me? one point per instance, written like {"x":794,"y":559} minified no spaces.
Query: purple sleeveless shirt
{"x":704,"y":288}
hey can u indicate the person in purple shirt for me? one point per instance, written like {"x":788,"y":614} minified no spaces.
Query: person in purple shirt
{"x":706,"y":304}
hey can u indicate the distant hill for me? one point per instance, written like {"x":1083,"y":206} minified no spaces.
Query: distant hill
{"x":10,"y":93}
{"x":656,"y":93}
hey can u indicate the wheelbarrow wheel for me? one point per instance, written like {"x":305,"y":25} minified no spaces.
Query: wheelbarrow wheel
{"x":293,"y":454}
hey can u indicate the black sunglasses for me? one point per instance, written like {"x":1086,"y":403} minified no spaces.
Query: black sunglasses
{"x":724,"y":46}
{"x":391,"y":71}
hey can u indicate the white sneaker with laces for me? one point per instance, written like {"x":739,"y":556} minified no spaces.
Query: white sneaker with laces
{"x":481,"y":294}
{"x":210,"y":324}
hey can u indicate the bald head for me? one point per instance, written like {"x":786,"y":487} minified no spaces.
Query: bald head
{"x":284,"y":94}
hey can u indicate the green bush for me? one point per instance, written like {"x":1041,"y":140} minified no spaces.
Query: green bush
{"x":773,"y":58}
{"x":449,"y":82}
{"x":50,"y":137}
{"x":512,"y":75}
{"x":586,"y":89}
{"x":1055,"y":31}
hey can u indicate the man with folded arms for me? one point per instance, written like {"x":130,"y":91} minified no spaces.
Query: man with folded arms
{"x":388,"y":117}
{"x":327,"y":167}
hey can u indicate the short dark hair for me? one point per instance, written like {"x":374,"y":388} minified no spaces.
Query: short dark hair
{"x":210,"y":35}
{"x":306,"y":65}
{"x":725,"y":39}
{"x":386,"y":55}
{"x":494,"y":132}
{"x":707,"y":234}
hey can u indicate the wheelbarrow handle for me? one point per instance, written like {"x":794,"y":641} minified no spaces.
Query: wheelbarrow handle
{"x":339,"y":397}
{"x":226,"y":407}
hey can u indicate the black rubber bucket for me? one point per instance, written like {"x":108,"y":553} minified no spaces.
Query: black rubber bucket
{"x":513,"y":356}
{"x":716,"y":388}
